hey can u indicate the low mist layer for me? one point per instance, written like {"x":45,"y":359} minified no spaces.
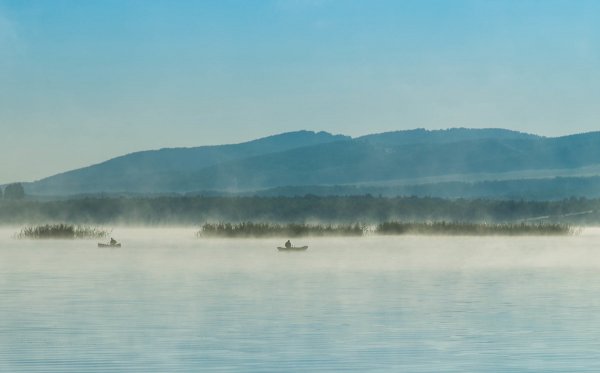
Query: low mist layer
{"x":167,"y":251}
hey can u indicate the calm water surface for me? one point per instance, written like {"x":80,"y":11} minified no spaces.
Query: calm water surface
{"x":168,"y":302}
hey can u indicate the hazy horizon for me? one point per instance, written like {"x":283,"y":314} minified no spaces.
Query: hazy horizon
{"x":82,"y":82}
{"x":261,"y":137}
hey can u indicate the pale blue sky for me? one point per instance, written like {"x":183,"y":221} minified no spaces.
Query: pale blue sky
{"x":84,"y":81}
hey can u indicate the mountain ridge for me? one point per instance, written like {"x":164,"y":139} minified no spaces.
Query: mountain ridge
{"x":304,"y":158}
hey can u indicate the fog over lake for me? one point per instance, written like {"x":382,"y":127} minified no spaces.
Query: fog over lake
{"x":170,"y":302}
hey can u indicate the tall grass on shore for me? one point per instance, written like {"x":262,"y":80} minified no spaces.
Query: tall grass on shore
{"x":249,"y":229}
{"x":61,"y":231}
{"x":473,"y":229}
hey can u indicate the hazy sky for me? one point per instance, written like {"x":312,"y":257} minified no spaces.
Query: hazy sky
{"x":84,"y":81}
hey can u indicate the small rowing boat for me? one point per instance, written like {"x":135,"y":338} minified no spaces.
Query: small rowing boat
{"x":292,"y":248}
{"x":109,"y":245}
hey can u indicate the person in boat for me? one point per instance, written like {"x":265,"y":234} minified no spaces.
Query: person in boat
{"x":113,"y":241}
{"x":288,"y":244}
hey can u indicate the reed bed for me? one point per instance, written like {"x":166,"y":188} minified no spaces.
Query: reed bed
{"x":474,"y":229}
{"x":61,"y":231}
{"x":249,"y":229}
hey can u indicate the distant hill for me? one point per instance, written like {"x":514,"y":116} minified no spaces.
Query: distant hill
{"x":151,"y":171}
{"x":320,"y":160}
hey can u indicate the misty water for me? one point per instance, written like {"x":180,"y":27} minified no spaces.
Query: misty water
{"x":169,"y":302}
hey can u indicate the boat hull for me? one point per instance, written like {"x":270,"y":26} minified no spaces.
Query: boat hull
{"x":108,"y":245}
{"x":293,"y":248}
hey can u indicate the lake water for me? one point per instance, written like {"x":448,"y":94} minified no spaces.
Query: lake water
{"x":169,"y":302}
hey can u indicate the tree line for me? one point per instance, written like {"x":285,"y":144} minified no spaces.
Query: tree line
{"x":193,"y":210}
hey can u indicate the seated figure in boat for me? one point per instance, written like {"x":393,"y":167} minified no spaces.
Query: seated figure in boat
{"x":288,"y":244}
{"x":113,"y":241}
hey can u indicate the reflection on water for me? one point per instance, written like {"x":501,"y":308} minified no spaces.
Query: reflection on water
{"x":167,"y":302}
